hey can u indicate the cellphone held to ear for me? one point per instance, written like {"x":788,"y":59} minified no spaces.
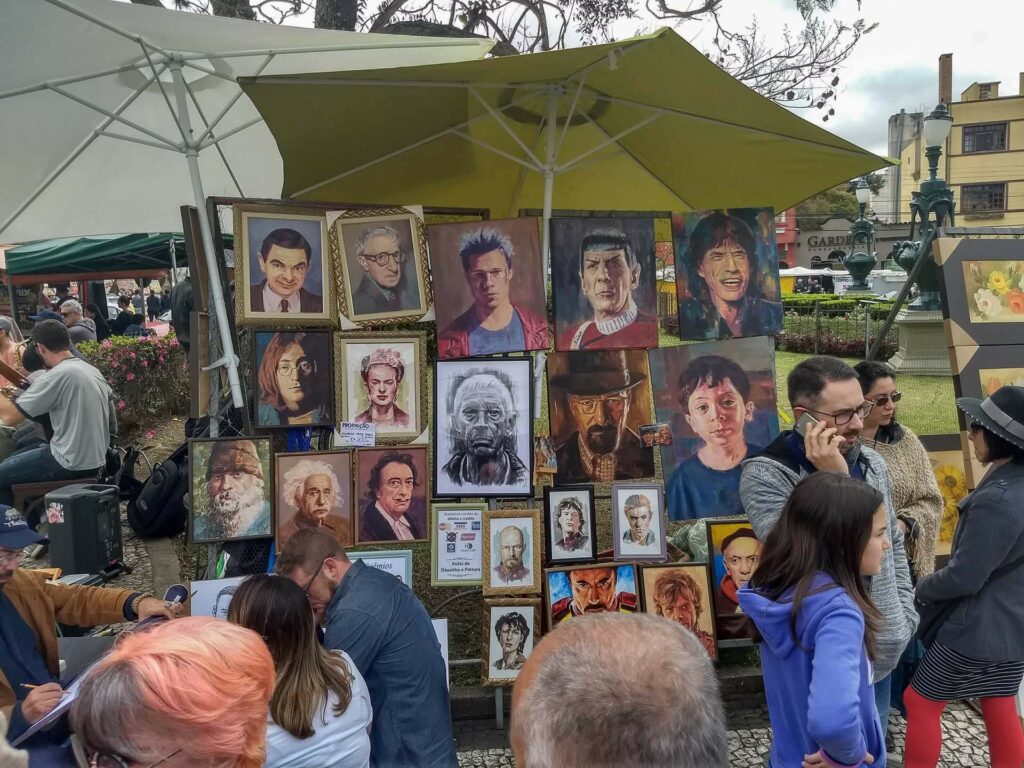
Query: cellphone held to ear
{"x":805,"y":420}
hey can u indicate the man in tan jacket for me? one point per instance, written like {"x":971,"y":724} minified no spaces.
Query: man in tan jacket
{"x":29,"y":610}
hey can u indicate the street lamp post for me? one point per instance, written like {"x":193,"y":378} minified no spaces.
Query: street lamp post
{"x":862,"y":233}
{"x":930,"y":208}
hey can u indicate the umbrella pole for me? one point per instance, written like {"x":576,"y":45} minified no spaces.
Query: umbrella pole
{"x":228,"y":357}
{"x":549,"y":193}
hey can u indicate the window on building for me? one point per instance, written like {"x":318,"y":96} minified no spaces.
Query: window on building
{"x":985,"y":91}
{"x":988,"y":137}
{"x":978,"y":198}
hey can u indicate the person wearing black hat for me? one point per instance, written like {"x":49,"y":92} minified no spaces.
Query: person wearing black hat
{"x":599,"y":388}
{"x":978,"y":651}
{"x":30,"y":608}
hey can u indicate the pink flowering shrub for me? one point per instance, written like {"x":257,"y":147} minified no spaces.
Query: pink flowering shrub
{"x":149,"y":376}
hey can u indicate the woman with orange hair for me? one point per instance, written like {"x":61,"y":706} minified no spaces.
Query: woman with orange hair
{"x":187,"y":693}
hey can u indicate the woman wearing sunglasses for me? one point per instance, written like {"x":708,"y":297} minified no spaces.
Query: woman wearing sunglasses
{"x":190,"y":693}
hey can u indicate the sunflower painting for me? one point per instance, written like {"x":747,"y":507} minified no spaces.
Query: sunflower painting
{"x":948,"y":467}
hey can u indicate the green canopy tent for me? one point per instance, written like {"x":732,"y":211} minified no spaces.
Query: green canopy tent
{"x":643,"y":124}
{"x":95,"y":258}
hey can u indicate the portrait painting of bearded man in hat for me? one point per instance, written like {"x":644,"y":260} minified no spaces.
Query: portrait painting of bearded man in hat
{"x":596,"y":401}
{"x":483,"y":428}
{"x":231,"y":489}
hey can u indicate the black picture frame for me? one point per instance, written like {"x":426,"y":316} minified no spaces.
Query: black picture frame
{"x":330,"y":418}
{"x":524,"y":447}
{"x":589,"y":553}
{"x":267,"y":465}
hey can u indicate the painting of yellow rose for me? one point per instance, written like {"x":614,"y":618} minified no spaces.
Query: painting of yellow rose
{"x":948,"y":467}
{"x":995,"y":291}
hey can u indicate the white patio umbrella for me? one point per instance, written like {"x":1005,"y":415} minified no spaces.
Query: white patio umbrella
{"x":115,"y":115}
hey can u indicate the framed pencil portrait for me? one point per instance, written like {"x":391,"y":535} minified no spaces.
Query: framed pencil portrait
{"x":283,"y":267}
{"x":638,"y":521}
{"x":456,"y":545}
{"x":382,"y":265}
{"x":511,"y":629}
{"x":483,"y":427}
{"x":382,"y":380}
{"x":512,"y":552}
{"x":569,"y":524}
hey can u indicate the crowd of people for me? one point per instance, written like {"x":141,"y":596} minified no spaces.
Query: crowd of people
{"x":330,"y":663}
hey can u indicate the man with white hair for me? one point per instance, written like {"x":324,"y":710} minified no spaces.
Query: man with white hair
{"x":643,"y":694}
{"x":312,"y":490}
{"x":483,"y":431}
{"x":385,"y":286}
{"x":234,"y":482}
{"x":80,"y":327}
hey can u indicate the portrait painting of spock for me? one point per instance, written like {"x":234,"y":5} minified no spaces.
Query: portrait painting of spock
{"x":284,"y":275}
{"x":382,"y":264}
{"x":495,"y":269}
{"x":230,"y":489}
{"x":603,"y":283}
{"x":596,"y":402}
{"x":483,"y":425}
{"x":587,"y":589}
{"x":395,"y":494}
{"x":727,"y":274}
{"x":314,"y":491}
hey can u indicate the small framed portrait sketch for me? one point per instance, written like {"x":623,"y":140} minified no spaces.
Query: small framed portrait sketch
{"x":727,"y":273}
{"x":382,"y":265}
{"x":483,"y":427}
{"x":231,"y":488}
{"x":284,"y":277}
{"x":314,"y":490}
{"x":511,"y":627}
{"x":595,"y":588}
{"x":397,"y":562}
{"x":569,"y":524}
{"x":211,"y":597}
{"x":294,"y":373}
{"x":383,"y":382}
{"x":457,"y":545}
{"x":681,"y":592}
{"x":597,"y":402}
{"x":638,"y":521}
{"x":603,"y":285}
{"x":512,"y":543}
{"x":392,"y":488}
{"x":489,"y":287}
{"x":734,"y":551}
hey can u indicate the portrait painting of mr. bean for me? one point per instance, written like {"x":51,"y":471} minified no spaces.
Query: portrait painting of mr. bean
{"x":489,"y":287}
{"x":231,"y":489}
{"x":382,"y":266}
{"x":720,"y":400}
{"x":597,"y":401}
{"x":285,"y":275}
{"x":603,"y":285}
{"x":483,"y":440}
{"x":727,"y":274}
{"x":393,"y":488}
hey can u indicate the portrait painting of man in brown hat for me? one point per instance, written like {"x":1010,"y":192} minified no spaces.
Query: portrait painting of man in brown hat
{"x":597,"y":399}
{"x":230,"y":490}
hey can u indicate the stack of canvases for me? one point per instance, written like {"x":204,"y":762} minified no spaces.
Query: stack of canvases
{"x":320,"y":288}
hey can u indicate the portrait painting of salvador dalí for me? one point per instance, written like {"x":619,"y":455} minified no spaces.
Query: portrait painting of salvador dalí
{"x":727,"y":274}
{"x":483,"y":439}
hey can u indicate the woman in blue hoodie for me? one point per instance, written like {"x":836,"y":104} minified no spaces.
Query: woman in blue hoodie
{"x":810,"y":604}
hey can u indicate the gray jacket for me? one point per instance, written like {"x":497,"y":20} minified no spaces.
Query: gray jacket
{"x":989,"y":623}
{"x":83,"y":330}
{"x":765,"y":484}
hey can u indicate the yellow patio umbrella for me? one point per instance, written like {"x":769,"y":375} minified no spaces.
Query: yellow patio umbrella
{"x":643,"y":124}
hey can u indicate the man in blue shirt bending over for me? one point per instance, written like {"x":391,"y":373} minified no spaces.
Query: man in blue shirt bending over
{"x":381,"y":624}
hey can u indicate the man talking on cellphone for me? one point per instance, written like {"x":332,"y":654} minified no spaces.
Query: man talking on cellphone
{"x":828,"y":391}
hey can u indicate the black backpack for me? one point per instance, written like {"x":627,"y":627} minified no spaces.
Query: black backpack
{"x":158,"y":511}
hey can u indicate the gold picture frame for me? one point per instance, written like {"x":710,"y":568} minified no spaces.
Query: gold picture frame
{"x":519,"y":582}
{"x":348,"y":282}
{"x":493,"y":671}
{"x":348,"y":379}
{"x":251,"y":213}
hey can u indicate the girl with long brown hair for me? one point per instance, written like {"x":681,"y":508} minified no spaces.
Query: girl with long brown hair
{"x":809,"y":603}
{"x":320,"y":710}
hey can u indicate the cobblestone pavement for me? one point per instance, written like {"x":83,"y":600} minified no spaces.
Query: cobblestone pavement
{"x":481,"y":745}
